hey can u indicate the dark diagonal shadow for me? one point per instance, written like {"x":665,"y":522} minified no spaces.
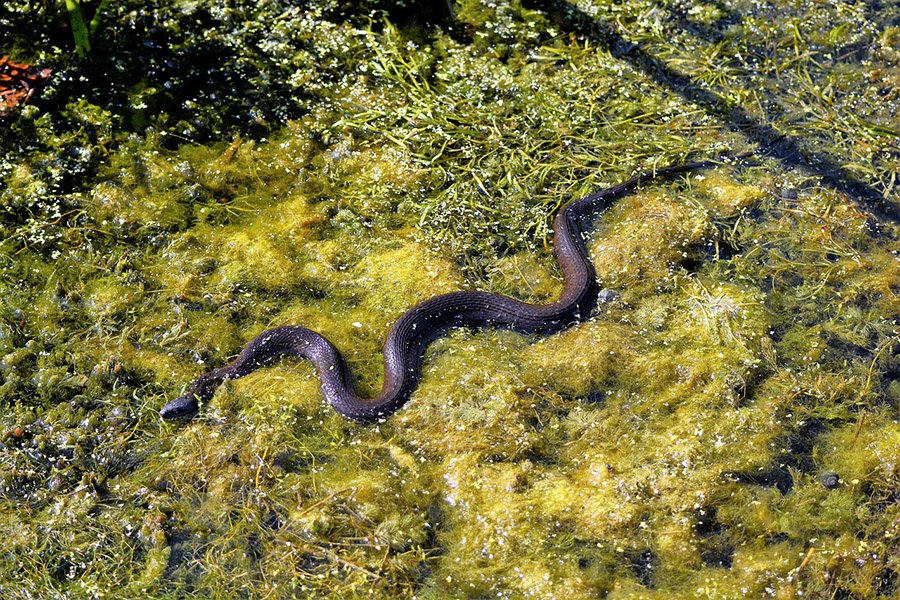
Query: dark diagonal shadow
{"x":784,"y":148}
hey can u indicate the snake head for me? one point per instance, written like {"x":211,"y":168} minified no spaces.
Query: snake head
{"x":181,"y":408}
{"x":186,"y":406}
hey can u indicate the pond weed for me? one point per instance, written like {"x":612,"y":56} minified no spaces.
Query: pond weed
{"x":672,"y":445}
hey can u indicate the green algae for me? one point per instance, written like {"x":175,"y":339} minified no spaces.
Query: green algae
{"x":672,"y":445}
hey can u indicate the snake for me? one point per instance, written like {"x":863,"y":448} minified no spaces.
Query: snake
{"x":410,"y":334}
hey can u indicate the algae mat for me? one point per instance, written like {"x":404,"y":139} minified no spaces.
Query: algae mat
{"x":726,"y":427}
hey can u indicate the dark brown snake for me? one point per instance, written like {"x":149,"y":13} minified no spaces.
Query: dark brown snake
{"x":412,"y":332}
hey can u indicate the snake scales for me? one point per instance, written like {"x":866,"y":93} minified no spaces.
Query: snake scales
{"x":409,"y":336}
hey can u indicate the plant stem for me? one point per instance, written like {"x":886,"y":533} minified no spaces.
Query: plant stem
{"x":79,"y":31}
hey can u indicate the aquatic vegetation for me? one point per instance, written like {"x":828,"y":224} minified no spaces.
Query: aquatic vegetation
{"x":725,"y":425}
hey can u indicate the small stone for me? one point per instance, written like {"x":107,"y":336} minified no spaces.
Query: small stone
{"x":607,"y":295}
{"x":830,"y":480}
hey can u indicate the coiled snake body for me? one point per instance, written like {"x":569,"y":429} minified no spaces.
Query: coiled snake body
{"x":409,"y":336}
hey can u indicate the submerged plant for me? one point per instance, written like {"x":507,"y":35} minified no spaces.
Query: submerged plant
{"x":724,"y":426}
{"x":81,"y":33}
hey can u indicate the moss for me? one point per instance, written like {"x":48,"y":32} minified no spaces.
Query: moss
{"x":328,"y":168}
{"x":407,"y":272}
{"x":629,"y":255}
{"x":581,"y":361}
{"x":726,"y":197}
{"x":108,"y":298}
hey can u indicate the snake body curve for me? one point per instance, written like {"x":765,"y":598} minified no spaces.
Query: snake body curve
{"x":407,"y":339}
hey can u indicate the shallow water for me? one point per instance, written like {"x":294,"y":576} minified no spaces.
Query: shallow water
{"x":726,"y":426}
